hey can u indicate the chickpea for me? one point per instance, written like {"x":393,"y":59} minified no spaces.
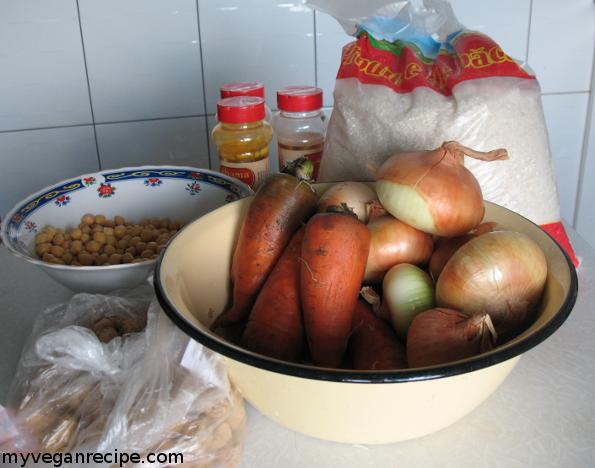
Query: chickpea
{"x":86,"y":229}
{"x":96,"y":228}
{"x":48,"y":257}
{"x":110,"y":240}
{"x":127,"y":258}
{"x":174,"y":225}
{"x":144,"y":222}
{"x":100,"y":219}
{"x":76,"y":233}
{"x":88,"y":219}
{"x":58,"y":261}
{"x":119,"y":231}
{"x":152,"y":246}
{"x":109,"y":231}
{"x":86,"y":237}
{"x":109,"y":223}
{"x":130,"y":250}
{"x":119,"y":220}
{"x":122,"y":244}
{"x":57,"y":250}
{"x":92,"y":246}
{"x":67,"y":245}
{"x":101,"y":259}
{"x":147,"y":235}
{"x":136,"y":230}
{"x":163,"y":223}
{"x":42,"y":248}
{"x":109,"y":249}
{"x":85,"y":259}
{"x":115,"y":259}
{"x":67,"y":257}
{"x":76,"y":246}
{"x":139,"y":260}
{"x":100,"y":237}
{"x":140,"y":246}
{"x":58,"y":239}
{"x":41,"y":238}
{"x":50,"y":233}
{"x":135,"y":240}
{"x":147,"y":253}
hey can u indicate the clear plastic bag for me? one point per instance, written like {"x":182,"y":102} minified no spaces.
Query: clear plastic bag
{"x":415,"y":78}
{"x":92,"y":378}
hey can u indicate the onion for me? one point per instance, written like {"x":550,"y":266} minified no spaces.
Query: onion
{"x":408,"y":291}
{"x":501,"y":273}
{"x":432,"y":190}
{"x":438,"y":336}
{"x":446,"y":247}
{"x":356,"y":195}
{"x":393,"y":242}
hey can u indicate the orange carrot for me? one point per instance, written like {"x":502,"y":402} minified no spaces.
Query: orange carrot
{"x":373,"y":342}
{"x":279,"y":207}
{"x":275,"y":326}
{"x":334,"y":254}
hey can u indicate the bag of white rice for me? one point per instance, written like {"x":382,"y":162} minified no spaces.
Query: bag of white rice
{"x":415,"y":78}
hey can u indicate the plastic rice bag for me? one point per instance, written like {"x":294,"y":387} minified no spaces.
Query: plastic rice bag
{"x":415,"y":78}
{"x":93,"y":379}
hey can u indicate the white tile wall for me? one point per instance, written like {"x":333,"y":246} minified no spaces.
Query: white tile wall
{"x":256,"y":40}
{"x":42,"y":71}
{"x":143,"y":58}
{"x":142,"y":63}
{"x":34,"y":159}
{"x":179,"y":141}
{"x":561,"y":44}
{"x":566,"y":113}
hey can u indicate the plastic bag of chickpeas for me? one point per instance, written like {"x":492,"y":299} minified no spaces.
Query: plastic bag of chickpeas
{"x":94,"y":378}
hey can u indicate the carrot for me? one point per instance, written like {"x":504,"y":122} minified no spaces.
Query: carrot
{"x":275,"y":326}
{"x":279,"y":207}
{"x":334,"y":255}
{"x":373,"y":342}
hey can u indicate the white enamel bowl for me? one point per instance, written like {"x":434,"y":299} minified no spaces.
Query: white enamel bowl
{"x":371,"y":407}
{"x":177,"y":193}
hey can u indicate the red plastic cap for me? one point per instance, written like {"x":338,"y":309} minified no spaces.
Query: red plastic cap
{"x":299,"y":98}
{"x":240,"y":109}
{"x":242,"y":88}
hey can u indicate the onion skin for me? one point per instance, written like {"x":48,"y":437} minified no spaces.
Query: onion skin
{"x":408,"y":291}
{"x":393,"y":242}
{"x":438,"y":336}
{"x":501,"y":273}
{"x":432,"y":190}
{"x":356,"y":195}
{"x":446,"y":247}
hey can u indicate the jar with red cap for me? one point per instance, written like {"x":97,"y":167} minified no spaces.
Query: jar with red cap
{"x":245,"y":88}
{"x":242,"y":138}
{"x":299,"y":125}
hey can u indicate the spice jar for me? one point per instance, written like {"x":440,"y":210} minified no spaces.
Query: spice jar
{"x":242,"y":138}
{"x":299,"y":125}
{"x":245,"y":88}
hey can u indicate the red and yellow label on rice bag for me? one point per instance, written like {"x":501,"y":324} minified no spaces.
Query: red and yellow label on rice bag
{"x":402,"y":66}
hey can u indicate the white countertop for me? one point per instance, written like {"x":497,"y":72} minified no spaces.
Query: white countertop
{"x":543,"y":415}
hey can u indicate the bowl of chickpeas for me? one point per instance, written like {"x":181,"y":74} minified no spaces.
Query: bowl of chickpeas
{"x":103,"y":231}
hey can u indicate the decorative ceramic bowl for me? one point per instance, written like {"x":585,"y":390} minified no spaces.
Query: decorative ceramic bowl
{"x":366,"y":407}
{"x":177,"y":193}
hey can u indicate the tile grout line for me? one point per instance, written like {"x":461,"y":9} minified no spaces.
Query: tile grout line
{"x":204,"y":90}
{"x":529,"y":31}
{"x":315,"y":48}
{"x":78,"y":12}
{"x":585,"y":148}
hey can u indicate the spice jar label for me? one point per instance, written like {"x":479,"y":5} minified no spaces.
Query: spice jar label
{"x":252,"y":173}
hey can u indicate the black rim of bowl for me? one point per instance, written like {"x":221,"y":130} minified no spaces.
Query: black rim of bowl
{"x":387,"y":376}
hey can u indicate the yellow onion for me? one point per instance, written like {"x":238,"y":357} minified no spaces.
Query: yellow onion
{"x":432,"y":190}
{"x":438,"y":336}
{"x":356,"y":195}
{"x":501,"y":273}
{"x":393,"y":242}
{"x":447,"y":246}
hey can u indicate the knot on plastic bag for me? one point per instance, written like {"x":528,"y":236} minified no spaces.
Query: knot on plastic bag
{"x":77,"y":348}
